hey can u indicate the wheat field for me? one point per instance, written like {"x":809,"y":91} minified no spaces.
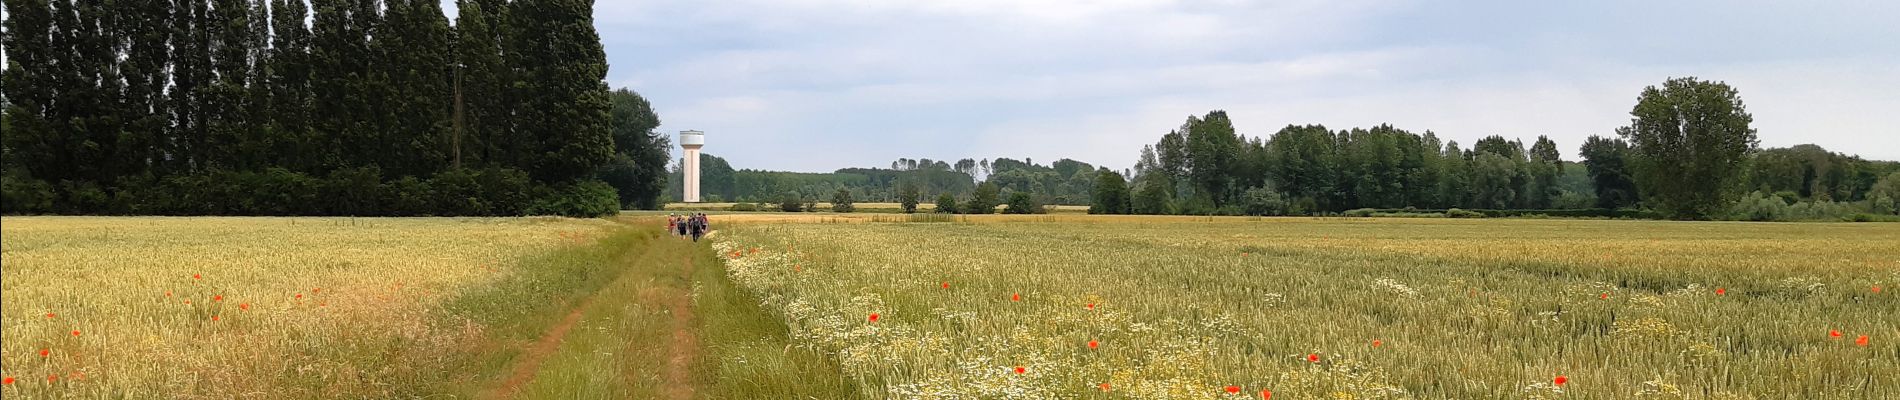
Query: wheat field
{"x":206,"y":307}
{"x":1079,"y":307}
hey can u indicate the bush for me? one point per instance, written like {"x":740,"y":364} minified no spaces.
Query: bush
{"x":1458,"y":213}
{"x":983,"y":200}
{"x":946,"y":204}
{"x":841,"y":201}
{"x":1023,"y":203}
{"x":791,"y":202}
{"x":1263,"y":201}
{"x":1360,"y":212}
{"x":743,"y":207}
{"x":587,"y":199}
{"x":24,"y":195}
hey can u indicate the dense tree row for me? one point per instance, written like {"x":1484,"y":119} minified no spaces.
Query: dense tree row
{"x":1688,"y":153}
{"x":283,"y":107}
{"x":1063,"y":182}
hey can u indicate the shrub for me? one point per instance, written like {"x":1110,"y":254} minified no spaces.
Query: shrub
{"x":744,"y":207}
{"x":790,"y":202}
{"x":588,"y":199}
{"x":1360,"y":212}
{"x":24,"y":195}
{"x":1023,"y":203}
{"x":841,"y":201}
{"x":946,"y":204}
{"x":1458,"y":213}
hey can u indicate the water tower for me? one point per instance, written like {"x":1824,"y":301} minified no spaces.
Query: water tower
{"x":690,"y":142}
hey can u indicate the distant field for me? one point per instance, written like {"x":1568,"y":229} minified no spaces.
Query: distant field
{"x":1185,"y":307}
{"x":159,"y":307}
{"x":861,"y":207}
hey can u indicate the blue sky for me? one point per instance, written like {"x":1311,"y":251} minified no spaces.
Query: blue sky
{"x":816,"y":85}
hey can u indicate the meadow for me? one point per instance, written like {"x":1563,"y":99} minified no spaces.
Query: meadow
{"x":155,"y":307}
{"x":1076,"y":307}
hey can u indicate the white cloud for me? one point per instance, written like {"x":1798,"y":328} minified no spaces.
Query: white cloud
{"x":823,"y":84}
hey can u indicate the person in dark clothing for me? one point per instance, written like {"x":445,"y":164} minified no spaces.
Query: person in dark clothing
{"x":699,"y":226}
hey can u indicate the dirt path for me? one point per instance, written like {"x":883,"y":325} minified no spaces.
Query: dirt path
{"x":684,"y":348}
{"x":529,"y":362}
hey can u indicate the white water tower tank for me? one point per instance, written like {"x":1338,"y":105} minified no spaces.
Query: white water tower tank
{"x":690,"y":142}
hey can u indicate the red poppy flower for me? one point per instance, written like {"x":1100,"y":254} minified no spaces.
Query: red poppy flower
{"x":300,"y":296}
{"x":75,"y":333}
{"x":1091,"y":306}
{"x":1016,"y":297}
{"x":1266,"y":394}
{"x":873,"y":317}
{"x":9,"y":381}
{"x":1862,"y":341}
{"x":323,"y":304}
{"x":1561,"y":380}
{"x":1377,"y":343}
{"x":51,"y":315}
{"x":1093,"y":344}
{"x":1876,"y":289}
{"x":316,"y":290}
{"x":1834,"y":333}
{"x":946,"y":285}
{"x":217,"y":298}
{"x":1020,"y":370}
{"x":44,"y":352}
{"x":1721,"y":291}
{"x":195,"y":276}
{"x":214,"y":318}
{"x":187,"y":302}
{"x":1233,"y":389}
{"x":52,"y":378}
{"x":1312,"y":357}
{"x":1605,"y":296}
{"x":168,"y":293}
{"x":1104,"y":385}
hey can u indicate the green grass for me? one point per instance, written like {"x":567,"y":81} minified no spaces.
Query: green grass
{"x":626,"y":342}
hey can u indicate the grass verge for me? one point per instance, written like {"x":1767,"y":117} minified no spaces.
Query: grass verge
{"x":674,"y":327}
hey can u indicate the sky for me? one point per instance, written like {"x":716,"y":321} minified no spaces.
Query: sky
{"x":817,"y":85}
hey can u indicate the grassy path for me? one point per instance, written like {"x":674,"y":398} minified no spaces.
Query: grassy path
{"x":670,"y":327}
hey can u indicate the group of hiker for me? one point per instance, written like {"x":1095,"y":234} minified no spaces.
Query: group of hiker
{"x":689,"y":224}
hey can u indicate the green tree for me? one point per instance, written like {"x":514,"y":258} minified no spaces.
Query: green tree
{"x":28,"y":135}
{"x":907,"y":195}
{"x":288,"y":82}
{"x":1494,"y":181}
{"x":416,"y":86}
{"x":791,"y":202}
{"x":984,"y":200}
{"x":1111,"y":194}
{"x":1607,"y":161}
{"x":487,"y":130}
{"x":1023,"y":203}
{"x":1689,"y":139}
{"x":841,"y":201}
{"x":1454,"y":184}
{"x":1154,"y":195}
{"x":1546,"y":164}
{"x":1213,"y":154}
{"x":638,"y":169}
{"x":946,"y":203}
{"x":340,"y":61}
{"x":564,"y":100}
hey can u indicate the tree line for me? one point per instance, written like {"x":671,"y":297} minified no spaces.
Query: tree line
{"x":1689,"y":153}
{"x":331,"y":107}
